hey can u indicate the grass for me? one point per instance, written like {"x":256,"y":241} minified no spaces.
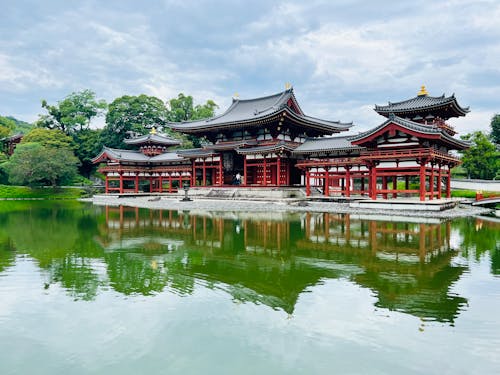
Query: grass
{"x":24,"y":192}
{"x":471,"y":194}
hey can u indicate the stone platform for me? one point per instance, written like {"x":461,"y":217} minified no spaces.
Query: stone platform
{"x":242,"y":192}
{"x":406,"y":204}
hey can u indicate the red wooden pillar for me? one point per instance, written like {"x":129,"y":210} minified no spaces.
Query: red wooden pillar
{"x":373,"y":182}
{"x":448,"y":184}
{"x":121,"y":182}
{"x":347,"y":181}
{"x":439,"y":187}
{"x":136,"y":184}
{"x":161,"y":183}
{"x":245,"y":176}
{"x":221,"y":177}
{"x":180,"y":182}
{"x":362,"y":184}
{"x":288,"y":172}
{"x":308,"y":183}
{"x":422,"y":180}
{"x":431,"y":183}
{"x":106,"y":184}
{"x":384,"y":186}
{"x":150,"y":184}
{"x":204,"y":173}
{"x":278,"y":171}
{"x":170,"y":183}
{"x":326,"y":188}
{"x":264,"y":172}
{"x":395,"y":186}
{"x":193,"y":175}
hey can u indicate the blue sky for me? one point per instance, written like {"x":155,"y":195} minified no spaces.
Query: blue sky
{"x":342,"y":57}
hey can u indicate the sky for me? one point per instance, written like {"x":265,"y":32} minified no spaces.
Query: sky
{"x":342,"y":57}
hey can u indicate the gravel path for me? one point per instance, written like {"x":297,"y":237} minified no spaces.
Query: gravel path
{"x":168,"y":203}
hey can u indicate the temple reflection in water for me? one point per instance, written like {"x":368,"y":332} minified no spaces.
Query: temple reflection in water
{"x":272,"y":258}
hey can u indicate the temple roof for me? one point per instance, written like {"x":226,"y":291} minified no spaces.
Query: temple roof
{"x":432,"y":130}
{"x":276,"y":147}
{"x":248,"y":112}
{"x":313,"y":145}
{"x":161,"y":139}
{"x":424,"y":104}
{"x":135,"y":156}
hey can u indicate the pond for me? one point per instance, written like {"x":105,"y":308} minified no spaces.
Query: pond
{"x":118,"y":290}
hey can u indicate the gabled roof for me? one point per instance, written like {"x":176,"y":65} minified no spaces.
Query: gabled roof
{"x":134,"y":156}
{"x":248,"y":112}
{"x":11,"y":138}
{"x":161,"y":139}
{"x":432,"y":130}
{"x":424,"y":103}
{"x":280,"y":146}
{"x":314,"y":145}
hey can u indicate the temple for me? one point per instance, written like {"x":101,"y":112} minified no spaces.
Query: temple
{"x":270,"y":142}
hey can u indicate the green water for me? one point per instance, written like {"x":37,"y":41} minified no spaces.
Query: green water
{"x":96,"y":290}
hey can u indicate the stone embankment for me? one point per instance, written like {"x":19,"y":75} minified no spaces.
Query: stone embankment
{"x":170,"y":203}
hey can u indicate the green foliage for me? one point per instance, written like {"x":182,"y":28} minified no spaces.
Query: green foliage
{"x":6,"y":126}
{"x":182,"y":109}
{"x":88,"y":145}
{"x":73,"y":113}
{"x":481,"y":160}
{"x":495,"y":129}
{"x":34,"y":164}
{"x":24,"y":192}
{"x":132,"y":114}
{"x":49,"y":138}
{"x":22,"y":127}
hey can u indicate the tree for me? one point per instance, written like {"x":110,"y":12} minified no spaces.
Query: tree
{"x":6,"y":126}
{"x":73,"y":113}
{"x":34,"y":164}
{"x":181,"y":109}
{"x":49,"y":138}
{"x":481,"y":160}
{"x":495,"y":129}
{"x":132,"y":114}
{"x":89,"y":144}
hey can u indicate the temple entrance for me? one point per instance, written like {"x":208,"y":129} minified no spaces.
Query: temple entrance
{"x":232,"y":163}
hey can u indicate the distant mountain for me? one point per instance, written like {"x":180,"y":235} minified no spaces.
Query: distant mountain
{"x":21,"y":126}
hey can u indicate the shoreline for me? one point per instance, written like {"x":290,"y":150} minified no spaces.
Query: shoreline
{"x":170,"y":203}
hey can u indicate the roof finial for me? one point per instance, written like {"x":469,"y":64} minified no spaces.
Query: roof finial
{"x":423,"y":91}
{"x":153,"y":130}
{"x":288,"y":86}
{"x":236,"y":95}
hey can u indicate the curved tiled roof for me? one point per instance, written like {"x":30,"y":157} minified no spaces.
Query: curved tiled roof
{"x":422,"y":103}
{"x":415,"y":126}
{"x":245,"y":112}
{"x":313,"y":145}
{"x":135,"y":156}
{"x":280,"y":146}
{"x":162,"y":139}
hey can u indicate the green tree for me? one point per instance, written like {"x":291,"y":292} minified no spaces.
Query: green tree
{"x":34,"y":164}
{"x":182,"y":109}
{"x":495,"y":129}
{"x":6,"y":126}
{"x":89,"y":144}
{"x":481,"y":160}
{"x":132,"y":114}
{"x":73,"y":113}
{"x":49,"y":138}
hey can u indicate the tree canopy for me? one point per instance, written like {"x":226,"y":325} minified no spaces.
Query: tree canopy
{"x":495,"y":129}
{"x":132,"y":114}
{"x":73,"y":113}
{"x":7,"y":125}
{"x":481,"y":160}
{"x":49,"y":138}
{"x":182,"y":109}
{"x":34,"y":164}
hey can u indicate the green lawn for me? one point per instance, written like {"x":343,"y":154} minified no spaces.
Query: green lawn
{"x":24,"y":192}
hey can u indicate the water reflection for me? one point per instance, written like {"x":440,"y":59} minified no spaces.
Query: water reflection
{"x":267,"y":259}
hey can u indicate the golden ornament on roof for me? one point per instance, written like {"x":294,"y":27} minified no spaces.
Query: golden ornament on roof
{"x":423,"y":91}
